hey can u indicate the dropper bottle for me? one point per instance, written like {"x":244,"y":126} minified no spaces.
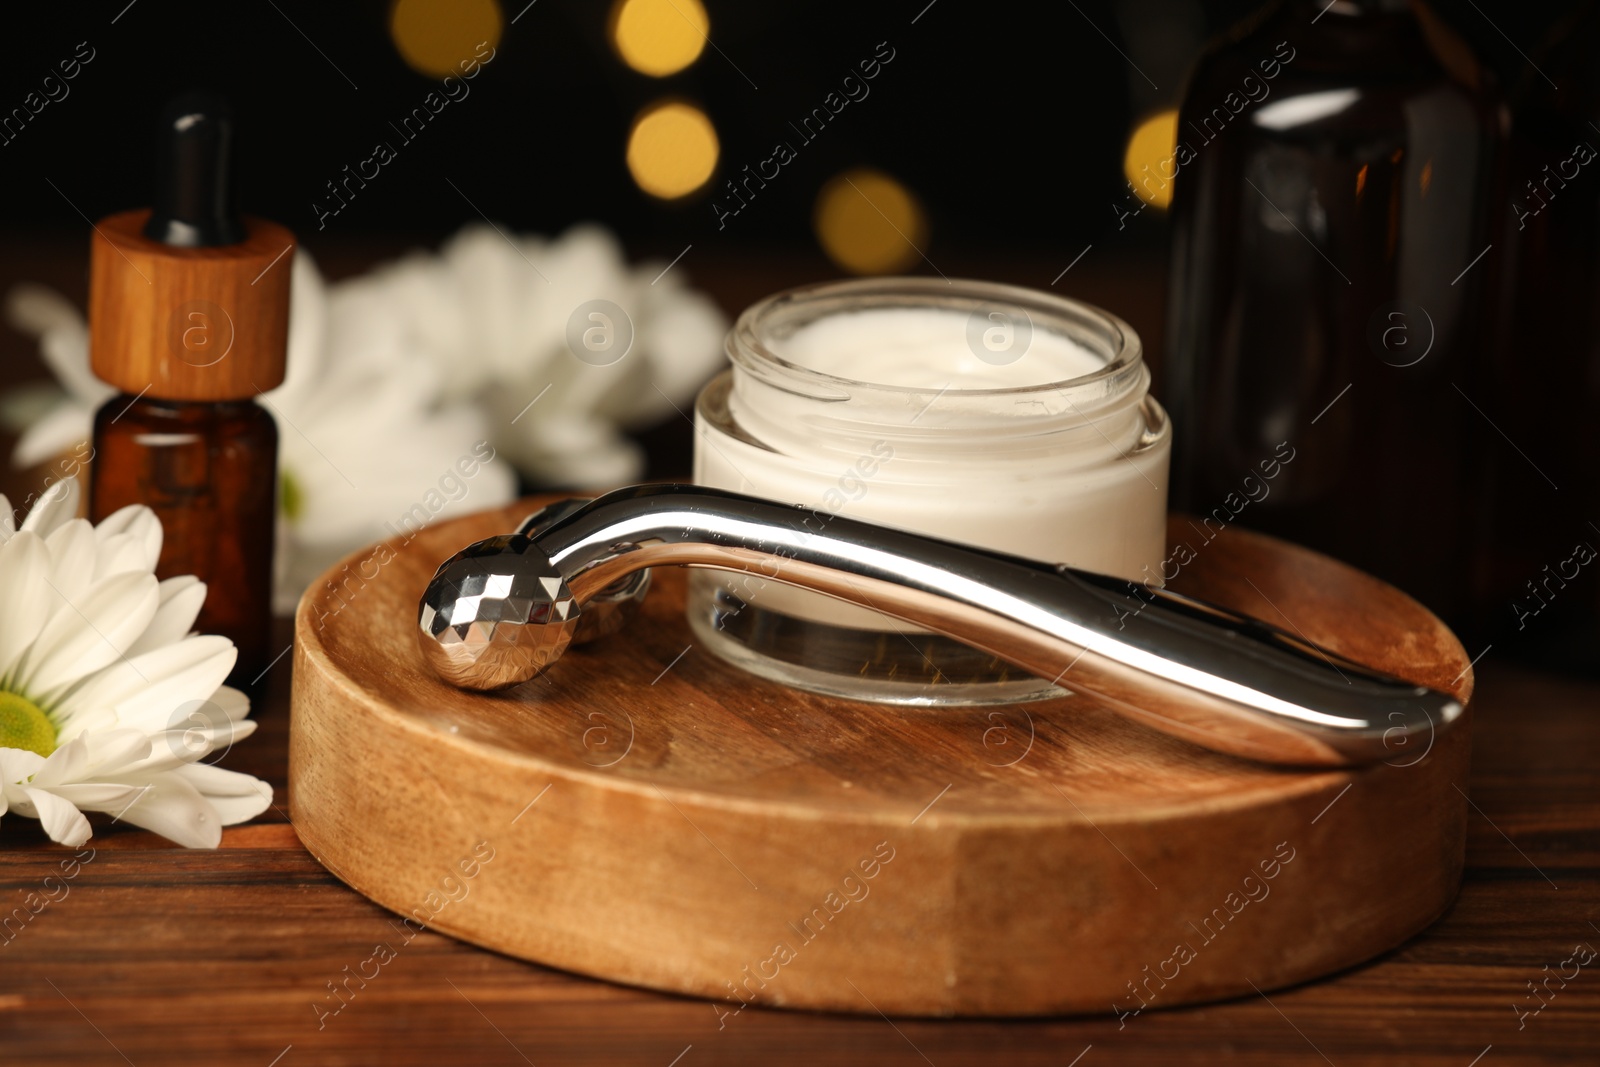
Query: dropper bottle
{"x":188,"y":319}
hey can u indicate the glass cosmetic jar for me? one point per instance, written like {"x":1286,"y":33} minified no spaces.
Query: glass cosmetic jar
{"x":982,"y":413}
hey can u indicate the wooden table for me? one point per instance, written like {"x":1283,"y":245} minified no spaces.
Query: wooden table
{"x":162,"y":955}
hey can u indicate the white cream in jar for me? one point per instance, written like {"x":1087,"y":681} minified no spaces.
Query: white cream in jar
{"x":987,"y":414}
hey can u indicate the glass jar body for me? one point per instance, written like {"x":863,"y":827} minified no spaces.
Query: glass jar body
{"x":1071,"y":471}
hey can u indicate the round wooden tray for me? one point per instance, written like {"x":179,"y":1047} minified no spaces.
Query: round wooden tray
{"x":648,"y":814}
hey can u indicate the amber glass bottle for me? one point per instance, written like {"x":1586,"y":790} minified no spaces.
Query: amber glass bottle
{"x":189,"y":310}
{"x":1543,"y":558}
{"x":1327,"y":300}
{"x":207,"y":470}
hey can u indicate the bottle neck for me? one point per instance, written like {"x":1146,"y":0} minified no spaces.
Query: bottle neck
{"x":148,"y":406}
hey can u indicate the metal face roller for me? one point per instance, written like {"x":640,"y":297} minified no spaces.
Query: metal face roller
{"x":504,"y":609}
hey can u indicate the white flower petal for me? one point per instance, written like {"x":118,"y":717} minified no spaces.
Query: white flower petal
{"x":109,"y":797}
{"x":24,"y":593}
{"x":18,"y":765}
{"x":55,"y":506}
{"x":83,"y":719}
{"x":72,"y":561}
{"x":181,"y":600}
{"x":684,"y":346}
{"x":119,"y":553}
{"x":180,"y":698}
{"x":232,"y":701}
{"x":174,"y":808}
{"x":138,"y":522}
{"x":190,"y":744}
{"x":66,"y":352}
{"x":63,"y":339}
{"x":64,"y":823}
{"x":111,"y":752}
{"x":119,"y":521}
{"x":95,"y":700}
{"x":36,"y":309}
{"x":8,"y":518}
{"x":237,"y":797}
{"x":67,"y":425}
{"x":65,"y":764}
{"x":83,"y":638}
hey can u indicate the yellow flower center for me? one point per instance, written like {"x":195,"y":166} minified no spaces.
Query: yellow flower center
{"x":23,"y":725}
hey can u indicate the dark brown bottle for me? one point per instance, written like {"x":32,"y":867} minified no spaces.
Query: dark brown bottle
{"x":207,"y":470}
{"x":189,"y":309}
{"x":1327,"y":300}
{"x":1542,"y":568}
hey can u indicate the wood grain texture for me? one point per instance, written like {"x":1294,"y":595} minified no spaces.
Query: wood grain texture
{"x":189,"y":323}
{"x":660,"y":818}
{"x":160,"y":955}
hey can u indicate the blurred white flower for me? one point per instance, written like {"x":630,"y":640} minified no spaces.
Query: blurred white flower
{"x":405,"y":384}
{"x":107,"y":701}
{"x":368,"y":446}
{"x":63,"y":336}
{"x":500,"y":315}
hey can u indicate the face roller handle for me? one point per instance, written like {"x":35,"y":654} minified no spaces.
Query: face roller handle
{"x":499,"y":612}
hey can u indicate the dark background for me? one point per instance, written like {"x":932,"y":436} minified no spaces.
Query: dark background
{"x":1007,"y":120}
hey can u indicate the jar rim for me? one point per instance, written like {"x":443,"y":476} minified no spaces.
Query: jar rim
{"x":748,"y":349}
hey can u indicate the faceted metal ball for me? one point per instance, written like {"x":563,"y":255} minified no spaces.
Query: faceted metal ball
{"x":496,"y":614}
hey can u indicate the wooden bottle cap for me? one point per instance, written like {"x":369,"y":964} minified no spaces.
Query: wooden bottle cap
{"x":189,"y":323}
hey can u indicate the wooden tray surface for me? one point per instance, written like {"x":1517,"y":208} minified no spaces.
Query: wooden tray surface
{"x":648,"y":814}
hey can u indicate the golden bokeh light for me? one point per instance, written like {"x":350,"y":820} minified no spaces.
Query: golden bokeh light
{"x":868,"y":223}
{"x":659,"y":37}
{"x":435,"y":37}
{"x":1150,"y":163}
{"x":672,"y":149}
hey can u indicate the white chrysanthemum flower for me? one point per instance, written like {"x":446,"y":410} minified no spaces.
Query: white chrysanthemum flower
{"x":494,"y":312}
{"x":368,"y":446}
{"x":107,"y":702}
